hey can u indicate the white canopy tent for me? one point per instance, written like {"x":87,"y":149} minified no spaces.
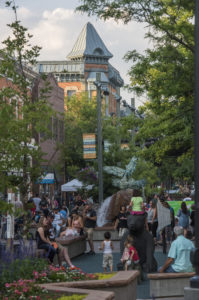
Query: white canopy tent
{"x":74,"y":185}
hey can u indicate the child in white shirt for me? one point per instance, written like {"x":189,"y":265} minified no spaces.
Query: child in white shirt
{"x":107,"y":248}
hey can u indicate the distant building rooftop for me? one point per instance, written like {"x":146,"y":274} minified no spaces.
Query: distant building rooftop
{"x":89,"y":43}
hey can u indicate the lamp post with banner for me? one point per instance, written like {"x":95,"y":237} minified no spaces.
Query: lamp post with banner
{"x":98,"y":85}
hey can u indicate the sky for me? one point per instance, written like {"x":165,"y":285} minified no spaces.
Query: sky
{"x":56,"y":26}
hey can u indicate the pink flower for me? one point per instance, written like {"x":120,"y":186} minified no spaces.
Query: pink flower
{"x":36,"y":274}
{"x":17,"y":292}
{"x":38,"y":298}
{"x":25,"y":290}
{"x":7,"y":285}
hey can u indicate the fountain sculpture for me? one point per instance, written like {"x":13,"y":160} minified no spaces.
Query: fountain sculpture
{"x":123,"y":180}
{"x":136,"y":223}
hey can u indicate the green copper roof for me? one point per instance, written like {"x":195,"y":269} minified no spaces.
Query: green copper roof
{"x":89,"y":43}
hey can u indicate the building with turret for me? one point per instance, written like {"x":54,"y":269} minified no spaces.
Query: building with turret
{"x":78,"y":73}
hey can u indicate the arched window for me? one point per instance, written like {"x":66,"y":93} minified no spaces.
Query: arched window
{"x":98,"y":51}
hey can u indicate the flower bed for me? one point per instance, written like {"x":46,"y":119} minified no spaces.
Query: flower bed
{"x":26,"y":279}
{"x":29,"y":289}
{"x":123,"y":285}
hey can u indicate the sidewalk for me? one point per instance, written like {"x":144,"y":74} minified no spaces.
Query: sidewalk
{"x":93,"y":263}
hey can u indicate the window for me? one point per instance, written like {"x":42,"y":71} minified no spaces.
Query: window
{"x":61,"y":131}
{"x":55,"y":129}
{"x":50,"y":128}
{"x":70,"y":93}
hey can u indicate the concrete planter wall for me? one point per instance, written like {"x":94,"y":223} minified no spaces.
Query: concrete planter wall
{"x":123,"y":285}
{"x":168,"y":285}
{"x":98,"y":233}
{"x":91,"y":294}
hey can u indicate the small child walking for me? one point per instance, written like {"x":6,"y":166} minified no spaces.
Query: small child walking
{"x":107,"y":247}
{"x":130,"y":257}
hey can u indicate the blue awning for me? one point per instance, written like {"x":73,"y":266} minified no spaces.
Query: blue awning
{"x":48,"y":179}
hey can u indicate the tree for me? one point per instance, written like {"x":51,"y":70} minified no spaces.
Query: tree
{"x":165,"y":74}
{"x":166,"y":16}
{"x":23,"y":117}
{"x":80,"y":117}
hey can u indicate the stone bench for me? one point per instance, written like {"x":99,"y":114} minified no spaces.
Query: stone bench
{"x":169,"y":284}
{"x":76,"y":245}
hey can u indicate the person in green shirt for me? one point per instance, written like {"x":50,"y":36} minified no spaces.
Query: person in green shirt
{"x":137,"y":203}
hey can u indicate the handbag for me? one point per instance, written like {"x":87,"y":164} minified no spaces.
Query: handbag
{"x":54,"y":244}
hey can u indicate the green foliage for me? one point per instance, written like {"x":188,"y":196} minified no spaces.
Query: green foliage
{"x":5,"y":207}
{"x":20,"y":268}
{"x":146,"y":170}
{"x":165,"y":74}
{"x":80,"y":118}
{"x":24,"y":118}
{"x":87,"y":175}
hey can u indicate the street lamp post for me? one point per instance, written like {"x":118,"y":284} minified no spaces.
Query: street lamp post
{"x":99,"y":136}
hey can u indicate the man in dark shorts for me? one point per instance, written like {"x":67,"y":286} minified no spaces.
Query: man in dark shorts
{"x":90,"y":218}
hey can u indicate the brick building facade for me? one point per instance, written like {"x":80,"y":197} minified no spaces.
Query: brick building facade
{"x":88,"y":56}
{"x":55,"y":127}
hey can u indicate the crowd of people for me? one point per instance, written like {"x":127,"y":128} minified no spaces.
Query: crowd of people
{"x":179,"y":233}
{"x":54,"y":220}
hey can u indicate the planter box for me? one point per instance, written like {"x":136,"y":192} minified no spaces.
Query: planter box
{"x":169,"y":284}
{"x":123,"y":285}
{"x":75,"y":245}
{"x":91,"y":294}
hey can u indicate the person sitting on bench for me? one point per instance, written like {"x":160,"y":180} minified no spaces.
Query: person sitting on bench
{"x":178,"y":260}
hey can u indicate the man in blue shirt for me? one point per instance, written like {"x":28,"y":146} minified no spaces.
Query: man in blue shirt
{"x":179,"y":254}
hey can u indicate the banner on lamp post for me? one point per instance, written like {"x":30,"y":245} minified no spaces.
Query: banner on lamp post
{"x":89,"y":146}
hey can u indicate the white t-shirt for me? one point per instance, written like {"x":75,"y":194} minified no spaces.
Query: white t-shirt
{"x":107,"y":247}
{"x":37,"y":201}
{"x":57,"y":219}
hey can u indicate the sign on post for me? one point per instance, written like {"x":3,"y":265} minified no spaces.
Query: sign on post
{"x":89,"y":146}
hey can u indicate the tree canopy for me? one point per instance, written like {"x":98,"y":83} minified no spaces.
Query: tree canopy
{"x":21,"y":155}
{"x":165,"y":74}
{"x":80,"y":117}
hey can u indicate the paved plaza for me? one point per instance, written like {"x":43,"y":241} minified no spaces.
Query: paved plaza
{"x":93,"y":263}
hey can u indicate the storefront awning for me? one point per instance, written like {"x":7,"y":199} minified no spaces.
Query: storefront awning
{"x":48,"y":179}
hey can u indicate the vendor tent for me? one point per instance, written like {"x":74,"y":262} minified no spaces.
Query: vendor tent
{"x":74,"y":185}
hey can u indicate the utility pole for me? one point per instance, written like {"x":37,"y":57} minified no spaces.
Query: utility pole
{"x":99,"y":137}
